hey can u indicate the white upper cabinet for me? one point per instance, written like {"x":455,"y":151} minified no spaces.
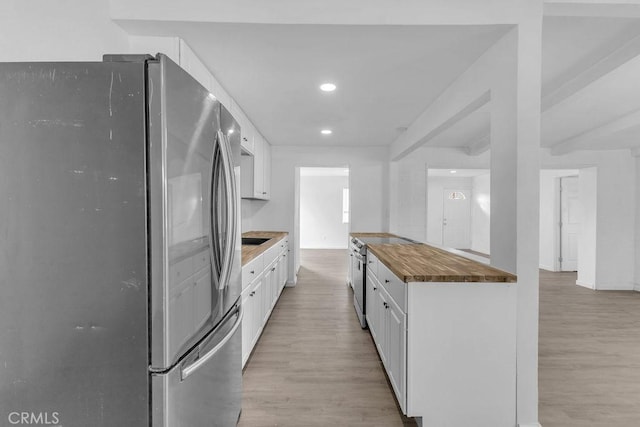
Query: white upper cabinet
{"x":256,"y":158}
{"x":256,"y":171}
{"x":192,"y":64}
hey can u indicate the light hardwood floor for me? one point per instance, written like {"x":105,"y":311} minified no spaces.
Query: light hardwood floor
{"x":589,"y":355}
{"x":314,"y":365}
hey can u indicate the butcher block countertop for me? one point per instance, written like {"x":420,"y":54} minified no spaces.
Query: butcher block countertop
{"x":249,"y":252}
{"x":424,"y":263}
{"x":373,"y":235}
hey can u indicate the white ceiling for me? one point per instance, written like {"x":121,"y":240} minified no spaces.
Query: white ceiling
{"x":313,"y":171}
{"x":460,"y":173}
{"x":600,"y":105}
{"x":388,"y":74}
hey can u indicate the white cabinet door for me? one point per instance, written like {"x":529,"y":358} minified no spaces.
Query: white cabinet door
{"x":395,"y":350}
{"x":382,"y":324}
{"x":258,"y":309}
{"x":258,"y":167}
{"x":247,"y":324}
{"x":283,"y":269}
{"x":274,"y":285}
{"x":194,"y":66}
{"x":268,"y":282}
{"x":256,"y":170}
{"x":266,"y":175}
{"x":372,"y":305}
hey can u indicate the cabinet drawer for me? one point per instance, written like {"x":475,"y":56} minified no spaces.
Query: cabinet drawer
{"x":395,"y":287}
{"x":271,"y":254}
{"x":372,"y":263}
{"x":282,"y":245}
{"x":252,"y":270}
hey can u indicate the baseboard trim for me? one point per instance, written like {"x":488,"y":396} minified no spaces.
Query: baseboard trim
{"x":614,"y":287}
{"x":636,"y":287}
{"x":530,"y":425}
{"x":585,"y":284}
{"x":547,"y":267}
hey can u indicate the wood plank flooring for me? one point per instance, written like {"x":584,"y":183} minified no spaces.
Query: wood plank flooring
{"x":314,"y":365}
{"x":589,"y":355}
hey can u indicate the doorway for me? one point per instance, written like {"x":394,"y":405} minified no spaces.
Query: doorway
{"x":324,"y":207}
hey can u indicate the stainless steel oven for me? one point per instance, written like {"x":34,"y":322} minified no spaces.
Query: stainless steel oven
{"x":358,"y":269}
{"x":358,"y":257}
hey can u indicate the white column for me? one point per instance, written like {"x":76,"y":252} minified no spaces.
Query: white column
{"x":527,"y":213}
{"x":515,"y":187}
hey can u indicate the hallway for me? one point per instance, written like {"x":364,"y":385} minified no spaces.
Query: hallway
{"x":314,"y":365}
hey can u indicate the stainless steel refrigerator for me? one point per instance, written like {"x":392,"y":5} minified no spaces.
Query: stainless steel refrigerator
{"x":119,"y":247}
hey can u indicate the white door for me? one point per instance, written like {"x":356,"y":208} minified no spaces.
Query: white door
{"x":569,"y":223}
{"x":456,"y":218}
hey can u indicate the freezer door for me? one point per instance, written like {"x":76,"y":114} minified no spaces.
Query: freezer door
{"x":205,"y":388}
{"x":183,"y":187}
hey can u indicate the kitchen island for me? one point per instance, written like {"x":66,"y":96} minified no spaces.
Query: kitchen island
{"x":445,"y":329}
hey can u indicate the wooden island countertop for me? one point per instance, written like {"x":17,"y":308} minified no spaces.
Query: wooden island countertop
{"x":424,"y":263}
{"x":250,"y":252}
{"x":373,"y":235}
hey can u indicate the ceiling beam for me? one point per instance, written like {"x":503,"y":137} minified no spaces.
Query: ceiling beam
{"x":448,"y":123}
{"x":582,"y":140}
{"x":597,"y":9}
{"x":479,"y":146}
{"x":595,"y":66}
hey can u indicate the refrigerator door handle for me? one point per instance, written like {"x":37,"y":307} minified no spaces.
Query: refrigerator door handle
{"x":230,"y":190}
{"x":185,"y":372}
{"x":213,"y":246}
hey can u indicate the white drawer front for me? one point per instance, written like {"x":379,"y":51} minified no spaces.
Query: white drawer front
{"x":395,"y":287}
{"x":252,"y":270}
{"x":372,"y":263}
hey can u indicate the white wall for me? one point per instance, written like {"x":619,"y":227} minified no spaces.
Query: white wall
{"x":408,"y":210}
{"x":408,"y":183}
{"x":481,"y":213}
{"x":587,"y":239}
{"x":369,"y":177}
{"x":611,"y":188}
{"x":321,"y":225}
{"x":49,"y":30}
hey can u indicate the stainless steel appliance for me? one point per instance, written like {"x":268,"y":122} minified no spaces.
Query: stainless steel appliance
{"x":358,"y":256}
{"x":119,"y":248}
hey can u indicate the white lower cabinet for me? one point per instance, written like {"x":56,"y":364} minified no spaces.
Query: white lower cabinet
{"x":449,"y":349}
{"x":388,"y":326}
{"x":261,"y":290}
{"x":395,"y":329}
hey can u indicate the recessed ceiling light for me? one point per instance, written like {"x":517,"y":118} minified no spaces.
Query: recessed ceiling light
{"x":453,"y":171}
{"x":231,"y":131}
{"x":327,"y":87}
{"x":326,"y":131}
